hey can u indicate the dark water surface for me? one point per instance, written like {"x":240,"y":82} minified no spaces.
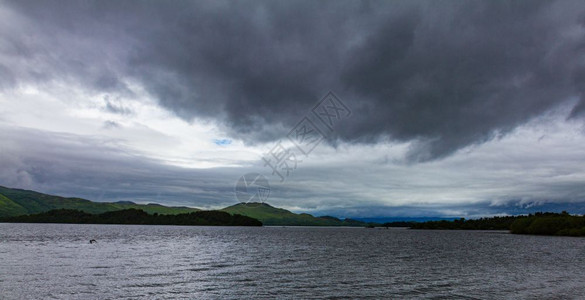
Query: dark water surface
{"x":56,"y":261}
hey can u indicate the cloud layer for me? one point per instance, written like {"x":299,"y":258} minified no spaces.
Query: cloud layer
{"x":443,"y":95}
{"x":445,"y":74}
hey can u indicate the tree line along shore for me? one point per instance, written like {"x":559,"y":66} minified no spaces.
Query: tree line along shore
{"x":546,"y":223}
{"x":136,"y":217}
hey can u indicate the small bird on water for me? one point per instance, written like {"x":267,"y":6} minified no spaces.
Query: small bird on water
{"x":92,"y":241}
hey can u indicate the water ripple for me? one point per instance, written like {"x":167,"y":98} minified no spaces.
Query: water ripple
{"x":54,"y":261}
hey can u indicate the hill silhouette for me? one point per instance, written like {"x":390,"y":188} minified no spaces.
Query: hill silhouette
{"x":18,"y":202}
{"x":15,"y":202}
{"x":270,"y":215}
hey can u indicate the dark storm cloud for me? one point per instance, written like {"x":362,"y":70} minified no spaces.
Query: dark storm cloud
{"x":444,"y":74}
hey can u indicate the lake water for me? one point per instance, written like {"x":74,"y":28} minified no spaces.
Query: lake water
{"x":56,"y":261}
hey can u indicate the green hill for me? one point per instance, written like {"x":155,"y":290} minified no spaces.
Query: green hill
{"x":270,"y":215}
{"x":10,"y":208}
{"x":15,"y":202}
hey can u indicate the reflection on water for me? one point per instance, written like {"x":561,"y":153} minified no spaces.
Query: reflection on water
{"x":40,"y":261}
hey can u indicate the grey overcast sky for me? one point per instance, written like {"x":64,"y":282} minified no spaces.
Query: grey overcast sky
{"x":459,"y":108}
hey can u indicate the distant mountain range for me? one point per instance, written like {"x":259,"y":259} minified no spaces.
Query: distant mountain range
{"x":17,"y":202}
{"x":382,"y":220}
